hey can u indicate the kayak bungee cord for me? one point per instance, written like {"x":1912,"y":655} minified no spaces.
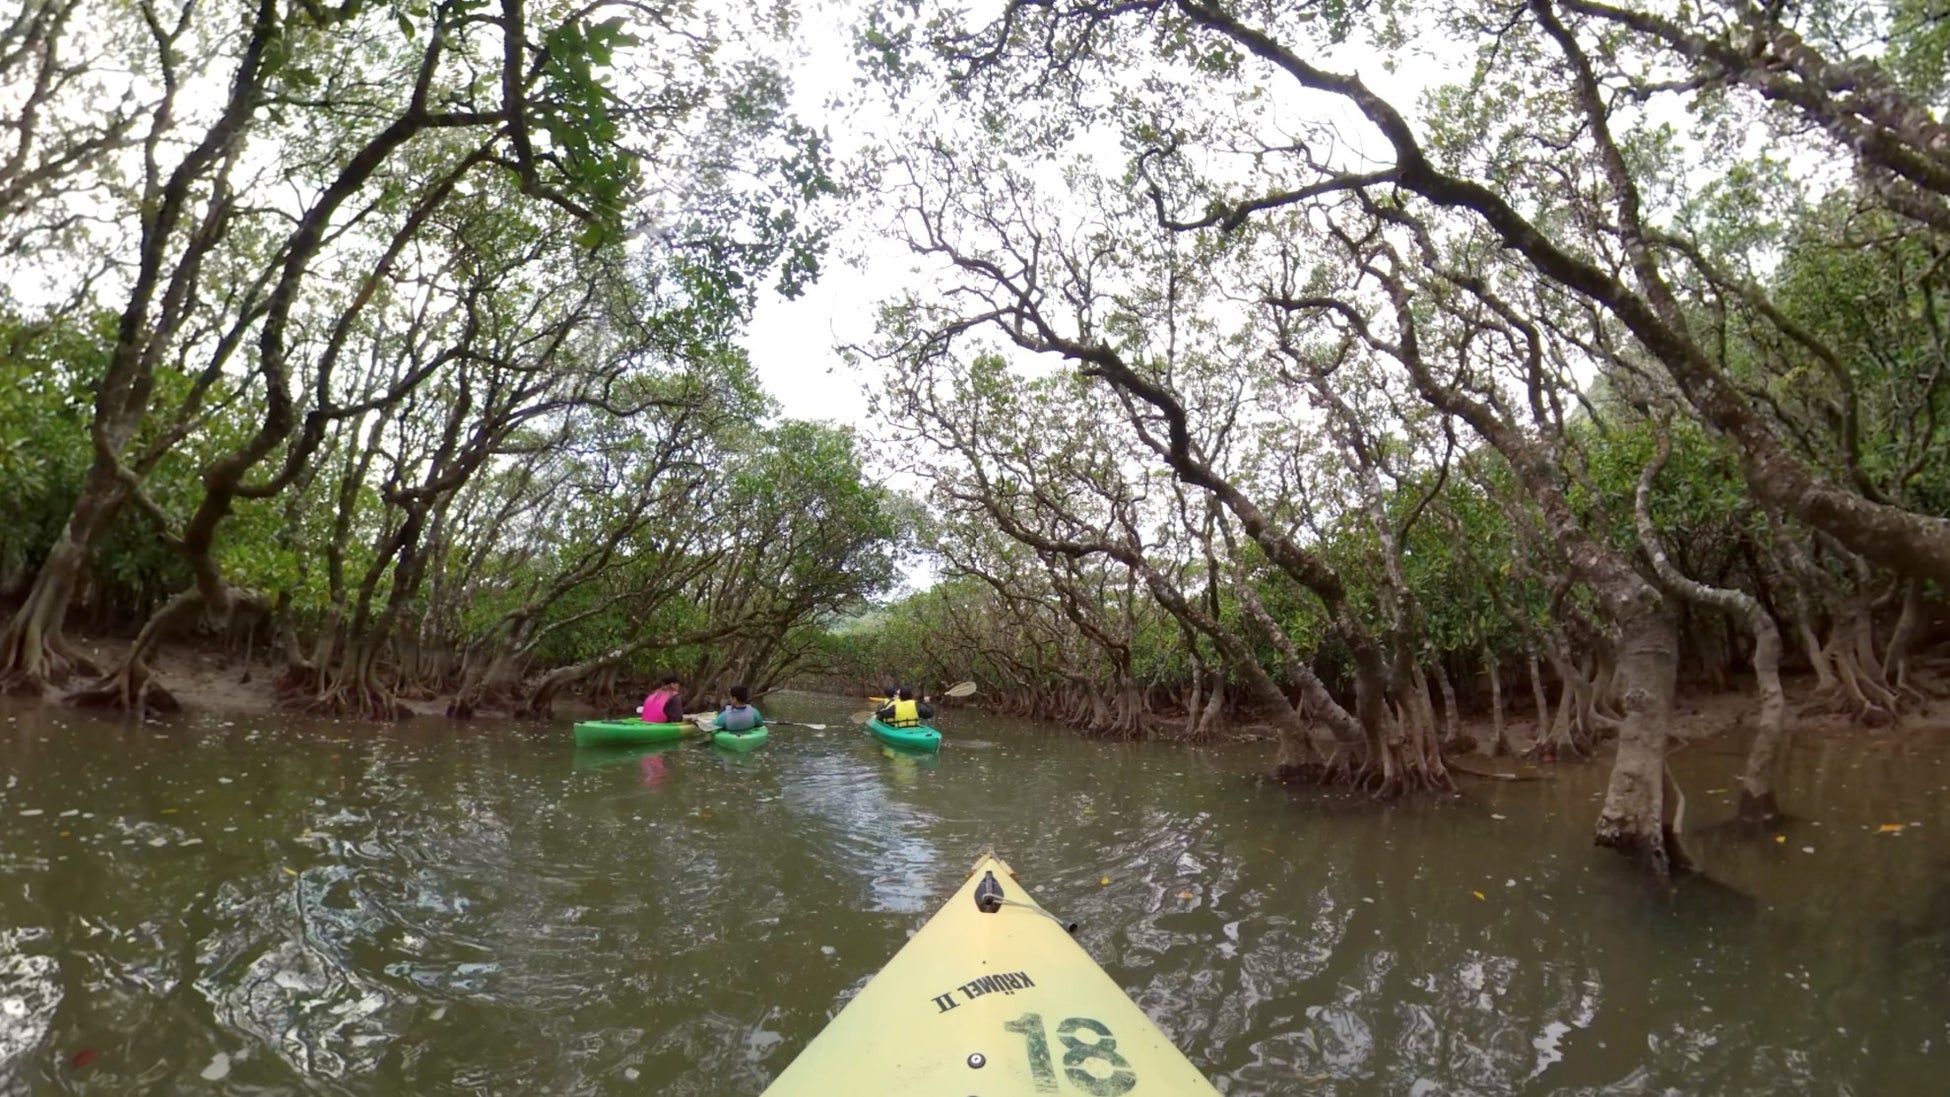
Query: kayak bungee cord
{"x":989,"y":899}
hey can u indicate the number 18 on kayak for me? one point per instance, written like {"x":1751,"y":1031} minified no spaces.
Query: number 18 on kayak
{"x":992,"y":998}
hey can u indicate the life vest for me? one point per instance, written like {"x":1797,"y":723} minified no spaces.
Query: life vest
{"x":907,"y":714}
{"x":654,"y":705}
{"x":738,"y":718}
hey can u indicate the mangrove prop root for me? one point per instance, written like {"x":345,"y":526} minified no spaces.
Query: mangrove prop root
{"x":132,"y":688}
{"x":1761,"y":810}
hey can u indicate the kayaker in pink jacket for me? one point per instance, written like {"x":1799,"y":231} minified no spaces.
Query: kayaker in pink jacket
{"x":665,"y":705}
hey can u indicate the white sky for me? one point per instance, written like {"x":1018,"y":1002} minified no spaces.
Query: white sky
{"x":793,"y":344}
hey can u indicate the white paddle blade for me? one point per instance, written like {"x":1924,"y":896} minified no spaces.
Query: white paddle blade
{"x":959,"y":689}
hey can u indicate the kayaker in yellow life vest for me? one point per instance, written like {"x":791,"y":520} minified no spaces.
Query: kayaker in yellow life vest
{"x":905,"y":712}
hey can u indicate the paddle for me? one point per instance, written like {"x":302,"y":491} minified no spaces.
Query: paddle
{"x":956,"y":690}
{"x":959,"y":689}
{"x":707,"y":724}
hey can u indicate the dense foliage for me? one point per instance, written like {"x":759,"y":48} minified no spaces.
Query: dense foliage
{"x":1316,"y":361}
{"x":402,"y":335}
{"x":1395,"y":345}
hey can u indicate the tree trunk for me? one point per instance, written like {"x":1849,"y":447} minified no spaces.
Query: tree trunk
{"x":1192,"y":708}
{"x":1350,"y":733}
{"x":489,"y":680}
{"x":1634,"y":818}
{"x":1420,"y":746}
{"x":1907,"y":543}
{"x":1564,"y":739}
{"x":1303,"y":567}
{"x":354,"y":689}
{"x":1214,"y":714}
{"x":34,"y":652}
{"x":1604,"y":687}
{"x":1542,"y":698}
{"x":1499,"y":741}
{"x":131,"y":686}
{"x":540,"y":696}
{"x":1451,"y":721}
{"x":1099,"y":719}
{"x":1860,"y":689}
{"x":1130,"y":711}
{"x":1804,"y":627}
{"x":1895,"y":660}
{"x":250,"y":650}
{"x":1757,"y":801}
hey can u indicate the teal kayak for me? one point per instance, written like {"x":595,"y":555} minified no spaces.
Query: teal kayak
{"x":741,"y":740}
{"x":628,"y":729}
{"x":915,"y":738}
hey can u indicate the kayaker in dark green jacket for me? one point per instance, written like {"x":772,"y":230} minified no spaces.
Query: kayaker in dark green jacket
{"x":740,"y":714}
{"x":903,"y":711}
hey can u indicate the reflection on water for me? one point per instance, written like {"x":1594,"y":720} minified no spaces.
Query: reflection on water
{"x":28,"y":992}
{"x":268,"y":905}
{"x":872,"y":831}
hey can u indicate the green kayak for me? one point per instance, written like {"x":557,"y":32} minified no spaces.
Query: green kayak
{"x":628,"y":729}
{"x":741,"y":740}
{"x":915,"y":738}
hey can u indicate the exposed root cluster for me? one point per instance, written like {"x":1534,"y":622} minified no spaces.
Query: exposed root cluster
{"x":131,"y":688}
{"x":32,"y":665}
{"x":1381,"y":779}
{"x":470,"y":703}
{"x":357,"y":702}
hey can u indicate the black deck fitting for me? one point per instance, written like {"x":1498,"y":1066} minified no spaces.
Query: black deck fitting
{"x":988,"y":894}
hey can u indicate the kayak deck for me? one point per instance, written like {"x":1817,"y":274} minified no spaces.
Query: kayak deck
{"x":741,"y":740}
{"x":626,"y":729}
{"x":917,"y":738}
{"x":992,"y":997}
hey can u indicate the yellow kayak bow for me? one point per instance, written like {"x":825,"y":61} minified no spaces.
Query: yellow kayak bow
{"x":992,"y":998}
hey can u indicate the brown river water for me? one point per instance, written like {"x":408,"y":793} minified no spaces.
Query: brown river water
{"x":252,"y":904}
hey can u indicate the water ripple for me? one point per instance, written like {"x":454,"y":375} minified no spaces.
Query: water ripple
{"x":272,"y":907}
